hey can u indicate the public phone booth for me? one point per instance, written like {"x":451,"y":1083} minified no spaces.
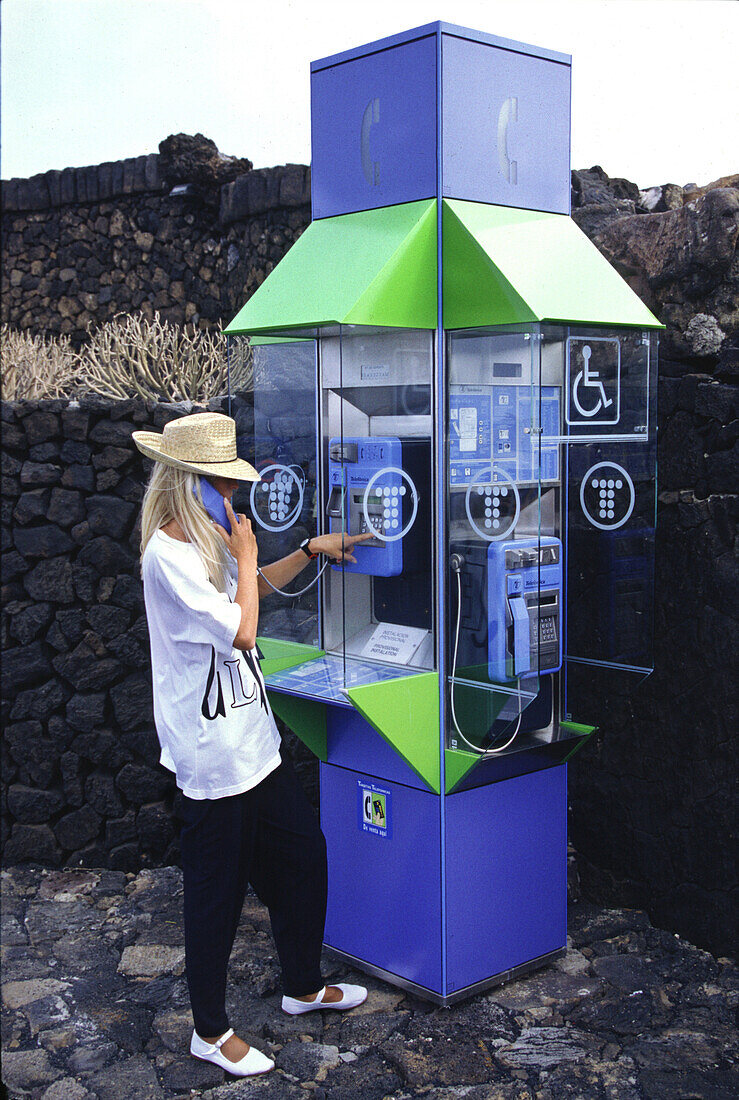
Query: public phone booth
{"x":445,"y":361}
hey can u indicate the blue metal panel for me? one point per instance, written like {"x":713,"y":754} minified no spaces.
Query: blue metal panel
{"x":400,"y":39}
{"x":437,"y":28}
{"x":506,"y":875}
{"x":373,"y":125}
{"x":506,"y":127}
{"x":384,"y":890}
{"x":354,"y":743}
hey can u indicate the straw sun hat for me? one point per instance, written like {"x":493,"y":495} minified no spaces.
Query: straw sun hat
{"x":202,"y":442}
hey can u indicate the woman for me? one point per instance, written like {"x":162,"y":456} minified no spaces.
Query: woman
{"x":246,"y":819}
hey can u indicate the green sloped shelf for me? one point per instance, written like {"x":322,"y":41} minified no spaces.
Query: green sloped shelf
{"x":584,"y":733}
{"x":305,"y":717}
{"x":277,"y":654}
{"x":406,"y":713}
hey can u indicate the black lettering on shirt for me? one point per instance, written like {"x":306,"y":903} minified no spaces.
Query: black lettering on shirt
{"x":240,"y":699}
{"x":220,"y":707}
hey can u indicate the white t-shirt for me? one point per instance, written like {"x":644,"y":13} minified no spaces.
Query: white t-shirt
{"x":213,"y":719}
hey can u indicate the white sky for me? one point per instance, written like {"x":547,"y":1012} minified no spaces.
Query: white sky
{"x":655,"y":89}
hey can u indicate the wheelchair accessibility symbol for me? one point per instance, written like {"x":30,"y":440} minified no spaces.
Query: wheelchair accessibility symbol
{"x":594,"y":373}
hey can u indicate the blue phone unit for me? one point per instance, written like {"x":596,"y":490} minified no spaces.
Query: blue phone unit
{"x":367,"y":493}
{"x":524,"y":605}
{"x":213,"y":503}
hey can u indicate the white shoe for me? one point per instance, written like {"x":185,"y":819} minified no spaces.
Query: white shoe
{"x":252,"y":1062}
{"x":351,"y":996}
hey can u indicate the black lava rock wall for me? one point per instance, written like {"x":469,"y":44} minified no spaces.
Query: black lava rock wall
{"x":653,"y":794}
{"x":81,"y":779}
{"x":176,"y":233}
{"x":192,"y":234}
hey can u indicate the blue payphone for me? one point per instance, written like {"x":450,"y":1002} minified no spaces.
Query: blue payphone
{"x":379,"y":484}
{"x":524,"y":607}
{"x":368,"y":492}
{"x":484,"y":408}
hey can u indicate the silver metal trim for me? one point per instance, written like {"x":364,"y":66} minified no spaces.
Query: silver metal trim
{"x":459,"y":994}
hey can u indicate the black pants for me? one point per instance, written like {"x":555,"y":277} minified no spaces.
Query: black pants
{"x":269,"y":837}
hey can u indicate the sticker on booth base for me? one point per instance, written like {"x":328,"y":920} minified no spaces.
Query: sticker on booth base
{"x":374,"y":809}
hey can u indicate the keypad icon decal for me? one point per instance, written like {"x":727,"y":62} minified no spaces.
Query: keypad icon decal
{"x":383,"y":502}
{"x":277,"y":500}
{"x":492,"y":504}
{"x":607,"y":496}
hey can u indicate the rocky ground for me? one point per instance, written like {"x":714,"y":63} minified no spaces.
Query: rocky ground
{"x":95,"y":1006}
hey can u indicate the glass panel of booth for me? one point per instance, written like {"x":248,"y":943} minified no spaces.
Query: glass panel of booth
{"x":376,"y":413}
{"x":339,"y":425}
{"x":274,"y":405}
{"x":504,"y":617}
{"x":610,"y":379}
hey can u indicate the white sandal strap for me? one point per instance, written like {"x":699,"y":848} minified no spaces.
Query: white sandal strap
{"x":226,"y":1035}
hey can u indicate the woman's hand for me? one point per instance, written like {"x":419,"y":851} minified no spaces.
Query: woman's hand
{"x":241,"y":542}
{"x":338,"y":546}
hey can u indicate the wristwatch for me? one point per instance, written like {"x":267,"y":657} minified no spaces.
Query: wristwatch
{"x":304,"y":546}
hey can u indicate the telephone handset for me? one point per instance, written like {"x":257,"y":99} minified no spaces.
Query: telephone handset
{"x":370,"y":118}
{"x":212,"y":501}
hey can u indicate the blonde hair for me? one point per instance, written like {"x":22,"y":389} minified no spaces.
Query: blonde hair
{"x":169,"y":495}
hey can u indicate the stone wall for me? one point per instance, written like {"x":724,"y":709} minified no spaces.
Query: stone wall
{"x":82,"y":245}
{"x":652,"y":795}
{"x":81,"y":782}
{"x":191,"y":235}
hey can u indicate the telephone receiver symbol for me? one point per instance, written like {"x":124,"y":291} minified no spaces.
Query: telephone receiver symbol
{"x":370,"y":118}
{"x":508,"y":113}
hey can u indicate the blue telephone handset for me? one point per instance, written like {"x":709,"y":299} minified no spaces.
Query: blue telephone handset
{"x":213,"y":503}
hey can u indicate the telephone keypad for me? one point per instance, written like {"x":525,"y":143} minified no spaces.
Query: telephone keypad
{"x":547,"y":632}
{"x":388,"y":499}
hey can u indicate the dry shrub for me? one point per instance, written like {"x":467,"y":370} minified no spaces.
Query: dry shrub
{"x":132,"y":355}
{"x":129,"y":356}
{"x":34,"y":367}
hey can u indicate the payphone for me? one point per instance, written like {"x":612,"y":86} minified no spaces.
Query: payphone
{"x":484,"y":408}
{"x":371,"y":490}
{"x":524,"y":604}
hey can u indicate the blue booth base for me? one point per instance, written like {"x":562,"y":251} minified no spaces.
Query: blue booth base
{"x":445,"y":896}
{"x":453,"y":998}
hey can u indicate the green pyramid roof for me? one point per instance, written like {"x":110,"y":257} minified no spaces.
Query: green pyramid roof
{"x":375,"y":267}
{"x":508,"y":266}
{"x":501,"y":266}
